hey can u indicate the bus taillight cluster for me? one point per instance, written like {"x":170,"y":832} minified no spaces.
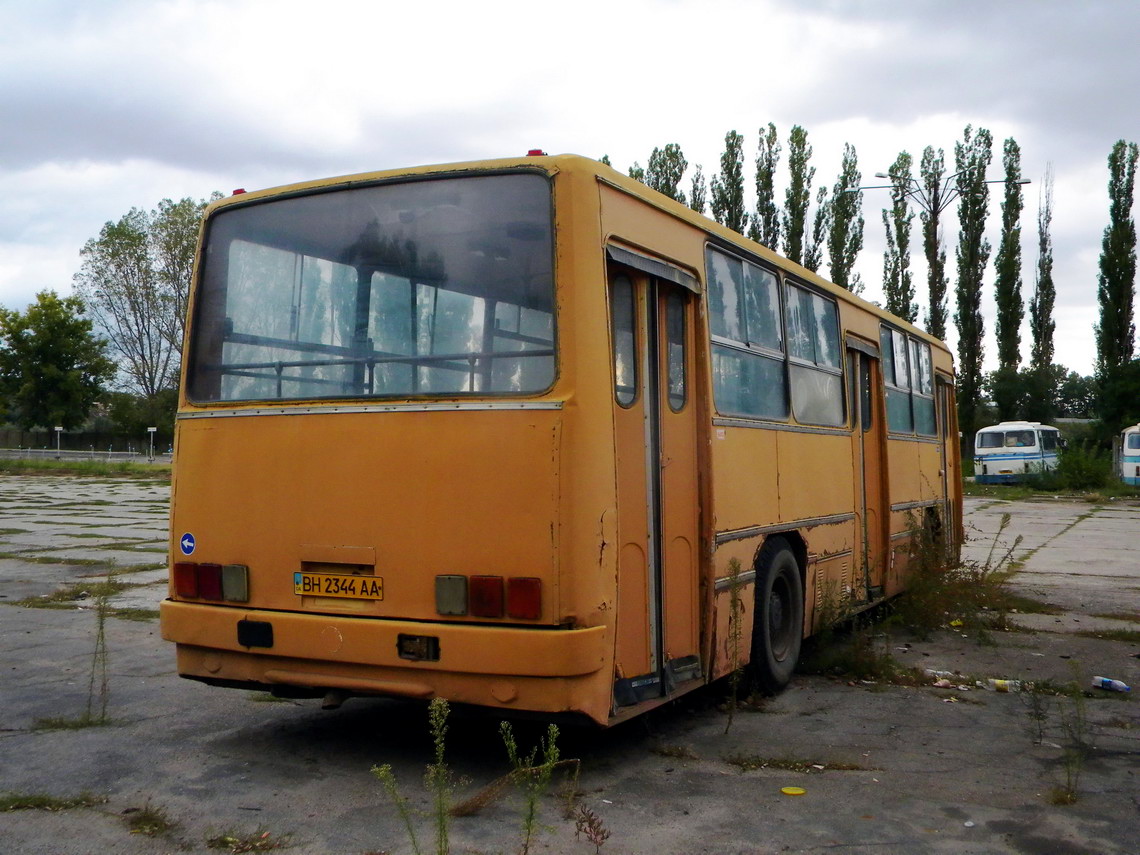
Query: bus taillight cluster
{"x":229,"y":582}
{"x":483,"y":596}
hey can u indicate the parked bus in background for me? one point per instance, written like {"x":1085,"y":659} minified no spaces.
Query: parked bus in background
{"x":1005,"y":453}
{"x":529,"y":435}
{"x":1130,"y":456}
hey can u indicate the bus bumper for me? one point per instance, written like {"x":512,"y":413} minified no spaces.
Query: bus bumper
{"x":539,"y":669}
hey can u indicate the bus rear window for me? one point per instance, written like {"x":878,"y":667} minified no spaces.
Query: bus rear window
{"x":426,"y":288}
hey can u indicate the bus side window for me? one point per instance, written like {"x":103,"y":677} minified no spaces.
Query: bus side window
{"x":623,"y":307}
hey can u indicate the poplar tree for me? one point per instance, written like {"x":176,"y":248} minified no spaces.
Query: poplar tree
{"x":813,"y":256}
{"x":728,"y":187}
{"x":798,"y":195}
{"x":1041,"y":322}
{"x":637,"y":172}
{"x":765,"y":226}
{"x":666,"y":169}
{"x":698,"y":191}
{"x":1116,"y":333}
{"x":971,"y":157}
{"x":898,"y":286}
{"x":1008,"y":391}
{"x":932,"y":169}
{"x":845,"y":237}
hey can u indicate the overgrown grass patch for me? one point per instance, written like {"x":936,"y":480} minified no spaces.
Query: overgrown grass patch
{"x":76,"y":593}
{"x":149,"y":820}
{"x":42,"y":801}
{"x":1130,"y":636}
{"x":51,"y":466}
{"x":257,"y":841}
{"x":134,"y":614}
{"x":752,"y":762}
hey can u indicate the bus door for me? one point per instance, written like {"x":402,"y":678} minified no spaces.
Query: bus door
{"x":655,"y":421}
{"x":870,"y":469}
{"x":947,"y":435}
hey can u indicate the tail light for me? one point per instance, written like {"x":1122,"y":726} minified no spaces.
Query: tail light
{"x":486,"y":598}
{"x":483,"y":596}
{"x":524,"y":598}
{"x":211,"y":582}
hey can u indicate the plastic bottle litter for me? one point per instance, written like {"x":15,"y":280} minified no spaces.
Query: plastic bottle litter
{"x":930,"y":672}
{"x":1003,"y":685}
{"x":1110,"y":684}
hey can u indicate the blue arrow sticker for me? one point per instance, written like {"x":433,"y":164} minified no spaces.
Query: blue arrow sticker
{"x":187,"y":543}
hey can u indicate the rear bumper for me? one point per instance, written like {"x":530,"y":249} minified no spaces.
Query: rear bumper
{"x":541,"y":669}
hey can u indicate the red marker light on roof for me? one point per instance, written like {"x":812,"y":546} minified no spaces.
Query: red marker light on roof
{"x":239,"y":191}
{"x":536,"y":152}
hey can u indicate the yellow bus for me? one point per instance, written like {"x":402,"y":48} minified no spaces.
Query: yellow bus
{"x":528,"y":435}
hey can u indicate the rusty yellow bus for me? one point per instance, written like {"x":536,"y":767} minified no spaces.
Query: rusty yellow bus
{"x":528,"y":435}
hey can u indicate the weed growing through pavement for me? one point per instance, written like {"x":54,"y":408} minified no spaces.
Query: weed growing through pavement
{"x":969,"y":595}
{"x":752,"y":762}
{"x":590,"y":824}
{"x":531,"y":774}
{"x":149,"y":820}
{"x":1075,"y":748}
{"x":235,"y":842}
{"x":531,"y":777}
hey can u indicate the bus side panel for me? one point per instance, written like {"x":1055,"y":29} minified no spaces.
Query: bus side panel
{"x":744,"y":470}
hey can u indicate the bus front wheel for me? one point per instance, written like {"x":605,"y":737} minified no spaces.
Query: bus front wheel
{"x":777,"y":628}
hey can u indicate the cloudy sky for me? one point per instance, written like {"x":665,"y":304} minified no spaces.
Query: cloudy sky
{"x":117,"y":104}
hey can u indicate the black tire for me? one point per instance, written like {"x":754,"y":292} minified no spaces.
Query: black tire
{"x":777,"y":627}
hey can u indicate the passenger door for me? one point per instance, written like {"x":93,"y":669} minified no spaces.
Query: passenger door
{"x":870,"y":469}
{"x":655,"y":421}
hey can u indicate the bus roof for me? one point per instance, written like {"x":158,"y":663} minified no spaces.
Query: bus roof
{"x":572,"y":163}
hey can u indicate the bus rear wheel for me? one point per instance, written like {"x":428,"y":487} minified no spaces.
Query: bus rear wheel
{"x":777,"y":628}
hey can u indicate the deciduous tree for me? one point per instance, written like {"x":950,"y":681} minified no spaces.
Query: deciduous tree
{"x":765,"y":226}
{"x":135,"y":279}
{"x":798,"y":195}
{"x":52,"y":365}
{"x":898,"y":287}
{"x":1007,"y":285}
{"x":1041,"y":323}
{"x":698,"y":191}
{"x":728,"y":187}
{"x":972,"y":156}
{"x":666,"y":169}
{"x":845,"y":235}
{"x":932,"y":170}
{"x":1116,"y":332}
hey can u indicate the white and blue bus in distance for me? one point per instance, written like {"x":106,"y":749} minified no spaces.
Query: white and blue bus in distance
{"x":1130,"y":456}
{"x":1005,"y":453}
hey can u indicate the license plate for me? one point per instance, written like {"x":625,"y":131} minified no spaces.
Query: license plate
{"x":337,"y":585}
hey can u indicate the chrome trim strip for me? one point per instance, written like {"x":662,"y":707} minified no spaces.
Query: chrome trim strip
{"x":725,"y":582}
{"x":757,"y":530}
{"x":723,"y":421}
{"x":373,"y":408}
{"x":911,"y":506}
{"x":913,"y":437}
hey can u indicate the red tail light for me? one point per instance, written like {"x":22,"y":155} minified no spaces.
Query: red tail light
{"x":210,"y":581}
{"x":186,"y":580}
{"x":524,"y":597}
{"x":485,"y":596}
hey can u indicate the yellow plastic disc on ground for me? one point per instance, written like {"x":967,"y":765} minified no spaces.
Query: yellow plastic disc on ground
{"x":793,"y":791}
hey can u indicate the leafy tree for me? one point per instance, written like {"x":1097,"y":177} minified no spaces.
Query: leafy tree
{"x":698,"y":191}
{"x":637,"y":173}
{"x":813,"y":256}
{"x":52,"y":366}
{"x":932,"y":169}
{"x":1116,"y":333}
{"x":765,"y":226}
{"x":1007,"y":286}
{"x":1007,"y":263}
{"x":666,"y":168}
{"x":798,"y":195}
{"x":1041,"y":322}
{"x":606,"y":160}
{"x":131,"y":415}
{"x":898,"y":286}
{"x":728,"y":187}
{"x":845,"y":238}
{"x":135,"y":279}
{"x":1076,"y":395}
{"x":1118,"y":398}
{"x":972,"y":155}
